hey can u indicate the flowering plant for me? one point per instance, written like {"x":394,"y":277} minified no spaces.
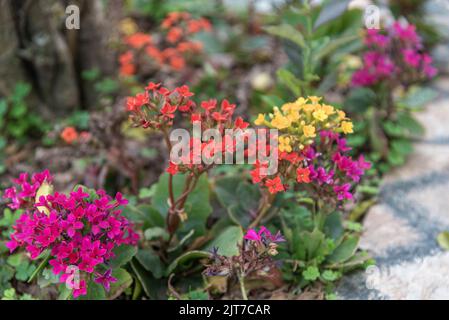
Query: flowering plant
{"x":172,"y":47}
{"x":157,"y":107}
{"x":312,"y":153}
{"x":385,"y":88}
{"x":254,"y":259}
{"x":75,"y":233}
{"x":394,"y":55}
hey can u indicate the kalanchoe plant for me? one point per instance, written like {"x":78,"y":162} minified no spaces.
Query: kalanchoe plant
{"x":312,"y":154}
{"x":254,"y":259}
{"x":171,"y":48}
{"x":76,"y":233}
{"x":392,"y":57}
{"x":156,"y":108}
{"x":385,"y":90}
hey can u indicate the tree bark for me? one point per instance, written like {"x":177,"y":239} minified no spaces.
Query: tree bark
{"x":36,"y":47}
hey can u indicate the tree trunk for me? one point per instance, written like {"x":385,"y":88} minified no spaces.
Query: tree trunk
{"x":36,"y":47}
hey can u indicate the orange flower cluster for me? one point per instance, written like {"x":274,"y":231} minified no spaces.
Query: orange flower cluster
{"x":172,"y":49}
{"x":70,"y":135}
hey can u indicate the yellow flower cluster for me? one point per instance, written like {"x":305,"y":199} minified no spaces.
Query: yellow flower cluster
{"x":300,"y":121}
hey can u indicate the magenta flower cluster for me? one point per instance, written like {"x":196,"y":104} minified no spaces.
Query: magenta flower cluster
{"x":332,"y":169}
{"x":263,"y":235}
{"x":393,"y":55}
{"x":80,"y":231}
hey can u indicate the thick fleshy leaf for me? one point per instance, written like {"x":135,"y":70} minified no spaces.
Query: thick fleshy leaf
{"x":227,"y":242}
{"x":330,"y":11}
{"x":123,"y":254}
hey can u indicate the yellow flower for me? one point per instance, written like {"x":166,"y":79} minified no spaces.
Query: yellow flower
{"x":301,"y":101}
{"x":347,"y":127}
{"x":320,"y":115}
{"x":260,"y":119}
{"x":128,"y":26}
{"x":341,"y":114}
{"x":328,"y":109}
{"x":293,"y":115}
{"x":309,"y":131}
{"x":280,"y":122}
{"x":314,"y":99}
{"x":288,"y":107}
{"x":284,"y":144}
{"x":309,"y":107}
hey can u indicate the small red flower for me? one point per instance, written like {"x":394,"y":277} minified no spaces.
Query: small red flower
{"x":172,"y":169}
{"x":152,"y":86}
{"x":195,"y":117}
{"x":302,"y":175}
{"x":174,"y":35}
{"x":274,"y":185}
{"x":240,"y":123}
{"x":184,"y":91}
{"x":168,"y":110}
{"x":219,"y":117}
{"x":69,"y":135}
{"x":209,"y":105}
{"x":138,"y":40}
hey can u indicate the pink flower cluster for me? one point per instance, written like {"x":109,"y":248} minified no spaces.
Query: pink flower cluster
{"x":332,"y":170}
{"x":393,"y":55}
{"x":23,"y":193}
{"x":79,"y":230}
{"x":263,"y":235}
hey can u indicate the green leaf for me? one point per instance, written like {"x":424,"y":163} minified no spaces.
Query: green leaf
{"x":123,"y":254}
{"x":151,"y":262}
{"x":288,"y":32}
{"x":443,"y":240}
{"x":410,"y":124}
{"x":331,"y":11}
{"x":272,"y":101}
{"x":156,"y":232}
{"x":197,"y":206}
{"x":146,"y":214}
{"x":95,"y":291}
{"x":311,"y":273}
{"x":395,"y":158}
{"x":402,"y":146}
{"x":417,"y":97}
{"x":290,"y":80}
{"x":154,"y":288}
{"x":3,"y":107}
{"x":227,"y":242}
{"x":239,"y":197}
{"x":24,"y":271}
{"x":21,"y":90}
{"x":330,"y":275}
{"x":124,"y":281}
{"x":359,"y":100}
{"x":185,"y":259}
{"x":344,"y":251}
{"x":333,"y":227}
{"x":332,"y":46}
{"x":15,"y":260}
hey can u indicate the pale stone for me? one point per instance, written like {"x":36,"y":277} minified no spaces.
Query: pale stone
{"x":423,"y":279}
{"x":383,"y":231}
{"x":434,"y":198}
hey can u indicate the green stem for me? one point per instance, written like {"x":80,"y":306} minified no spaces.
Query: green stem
{"x":40,"y":267}
{"x":242,"y":287}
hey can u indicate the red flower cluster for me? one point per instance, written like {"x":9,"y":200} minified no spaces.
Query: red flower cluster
{"x":157,"y":106}
{"x":79,"y":231}
{"x":172,"y":50}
